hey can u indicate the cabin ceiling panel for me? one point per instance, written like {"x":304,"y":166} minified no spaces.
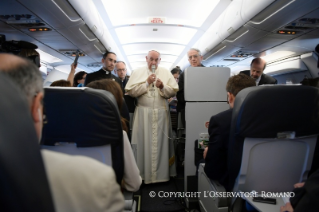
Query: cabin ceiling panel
{"x":143,"y":48}
{"x":268,"y":42}
{"x":50,"y":13}
{"x":246,"y":36}
{"x":251,"y":7}
{"x":183,"y":12}
{"x":268,"y":20}
{"x":220,"y":55}
{"x":169,"y":34}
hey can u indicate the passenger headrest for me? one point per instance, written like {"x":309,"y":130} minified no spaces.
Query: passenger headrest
{"x":263,"y":111}
{"x":87,"y":117}
{"x":23,"y":182}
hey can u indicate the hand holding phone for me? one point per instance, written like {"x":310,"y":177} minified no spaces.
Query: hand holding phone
{"x":76,"y":58}
{"x":265,"y":200}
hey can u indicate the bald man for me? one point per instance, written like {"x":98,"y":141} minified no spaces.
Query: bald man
{"x":152,"y":86}
{"x":257,"y":68}
{"x":77,"y":183}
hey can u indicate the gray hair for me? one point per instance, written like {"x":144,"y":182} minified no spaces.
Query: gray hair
{"x":198,"y":51}
{"x":28,"y":78}
{"x":155,"y":51}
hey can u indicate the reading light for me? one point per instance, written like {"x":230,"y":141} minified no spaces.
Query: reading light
{"x":39,"y":29}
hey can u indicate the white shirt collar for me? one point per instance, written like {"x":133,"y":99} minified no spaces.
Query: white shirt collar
{"x":106,"y":72}
{"x":257,"y":80}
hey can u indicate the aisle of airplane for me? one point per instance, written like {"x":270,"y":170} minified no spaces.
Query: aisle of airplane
{"x":228,"y":33}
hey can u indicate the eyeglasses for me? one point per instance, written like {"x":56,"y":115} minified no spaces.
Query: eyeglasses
{"x":121,"y":69}
{"x":193,"y":56}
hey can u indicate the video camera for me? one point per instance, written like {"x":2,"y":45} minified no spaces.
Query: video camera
{"x":15,"y":47}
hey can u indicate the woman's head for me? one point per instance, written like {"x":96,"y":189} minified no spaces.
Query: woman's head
{"x":111,"y":86}
{"x":79,"y":78}
{"x":61,"y":83}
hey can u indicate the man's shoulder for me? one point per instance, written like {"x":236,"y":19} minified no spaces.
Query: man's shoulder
{"x":94,"y":73}
{"x":268,"y":79}
{"x":74,"y":164}
{"x":247,"y":72}
{"x":224,"y":116}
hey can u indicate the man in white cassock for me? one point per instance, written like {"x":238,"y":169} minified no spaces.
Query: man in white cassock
{"x":152,"y":133}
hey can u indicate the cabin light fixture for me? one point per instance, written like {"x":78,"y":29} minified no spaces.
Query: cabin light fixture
{"x":287,"y":32}
{"x":275,"y":4}
{"x":65,"y":8}
{"x":41,"y":29}
{"x":48,"y":57}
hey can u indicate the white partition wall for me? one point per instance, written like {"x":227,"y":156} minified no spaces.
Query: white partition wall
{"x":205,"y":96}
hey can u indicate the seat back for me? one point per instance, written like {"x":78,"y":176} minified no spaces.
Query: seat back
{"x":274,"y":165}
{"x":266,"y":161}
{"x":23,"y":181}
{"x":84,"y":121}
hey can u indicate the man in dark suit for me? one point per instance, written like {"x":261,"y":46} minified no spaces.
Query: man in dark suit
{"x":257,"y":68}
{"x":120,"y":70}
{"x":108,"y":60}
{"x":215,"y":154}
{"x":195,"y":60}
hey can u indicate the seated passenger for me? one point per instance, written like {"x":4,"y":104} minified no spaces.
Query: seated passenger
{"x":77,"y":183}
{"x":306,"y":196}
{"x":131,"y":179}
{"x":68,"y":82}
{"x":61,"y":83}
{"x":79,"y":79}
{"x":215,"y":154}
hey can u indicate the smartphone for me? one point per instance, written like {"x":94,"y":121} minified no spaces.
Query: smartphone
{"x":76,"y":58}
{"x":265,"y":200}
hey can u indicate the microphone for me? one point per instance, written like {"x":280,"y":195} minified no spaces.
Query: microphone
{"x":153,"y":69}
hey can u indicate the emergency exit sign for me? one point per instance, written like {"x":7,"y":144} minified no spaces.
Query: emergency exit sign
{"x":156,"y":20}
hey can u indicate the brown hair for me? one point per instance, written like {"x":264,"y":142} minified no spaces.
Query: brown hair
{"x":314,"y":82}
{"x":61,"y":83}
{"x":239,"y":82}
{"x":114,"y":88}
{"x":78,"y":76}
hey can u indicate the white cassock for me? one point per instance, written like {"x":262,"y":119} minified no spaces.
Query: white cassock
{"x":152,"y":125}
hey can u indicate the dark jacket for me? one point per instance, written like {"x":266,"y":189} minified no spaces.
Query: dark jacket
{"x":265,"y":79}
{"x":216,"y":158}
{"x":101,"y":74}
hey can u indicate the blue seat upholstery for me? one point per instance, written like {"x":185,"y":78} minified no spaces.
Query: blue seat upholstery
{"x":262,"y":156}
{"x":84,"y":119}
{"x":23,"y":182}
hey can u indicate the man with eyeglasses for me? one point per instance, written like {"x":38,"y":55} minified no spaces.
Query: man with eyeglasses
{"x":195,"y":60}
{"x":77,"y":183}
{"x":120,"y":70}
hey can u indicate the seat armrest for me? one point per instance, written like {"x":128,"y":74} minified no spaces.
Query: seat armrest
{"x":128,"y":199}
{"x":208,"y":189}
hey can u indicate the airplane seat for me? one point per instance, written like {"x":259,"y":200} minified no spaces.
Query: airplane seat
{"x":23,"y":181}
{"x":272,"y":140}
{"x":84,"y":121}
